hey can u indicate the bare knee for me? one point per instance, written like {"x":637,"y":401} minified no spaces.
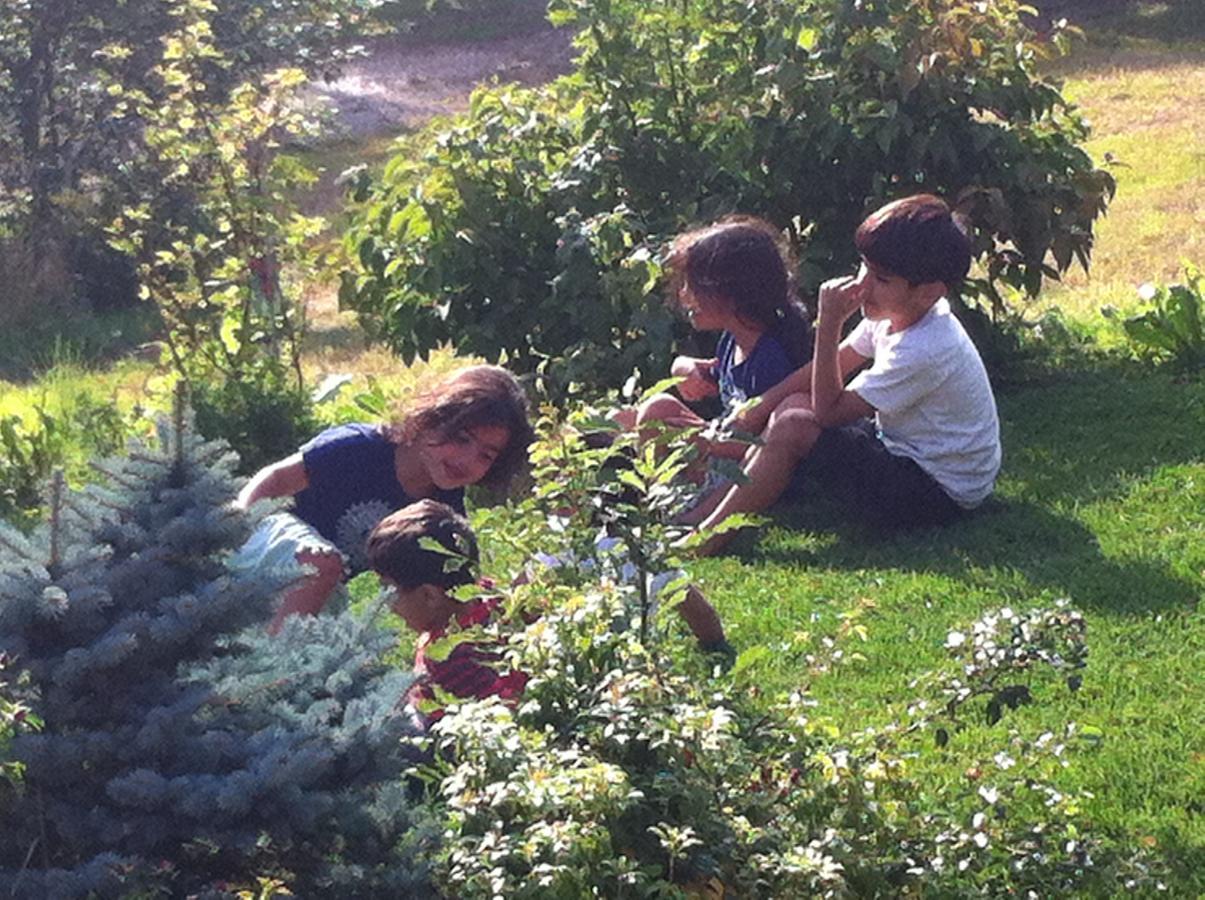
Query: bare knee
{"x":792,"y":428}
{"x":326,"y":569}
{"x":310,"y":594}
{"x":625,"y":418}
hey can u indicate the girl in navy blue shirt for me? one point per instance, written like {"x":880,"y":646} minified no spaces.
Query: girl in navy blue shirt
{"x":472,"y":427}
{"x":735,"y":277}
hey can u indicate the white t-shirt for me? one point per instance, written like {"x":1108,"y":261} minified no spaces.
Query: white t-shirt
{"x":933,"y":402}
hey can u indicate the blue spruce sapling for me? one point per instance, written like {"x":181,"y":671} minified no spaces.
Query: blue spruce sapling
{"x":179,"y":751}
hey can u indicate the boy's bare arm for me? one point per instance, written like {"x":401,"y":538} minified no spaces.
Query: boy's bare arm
{"x":753,"y":420}
{"x":832,"y":404}
{"x":283,"y":478}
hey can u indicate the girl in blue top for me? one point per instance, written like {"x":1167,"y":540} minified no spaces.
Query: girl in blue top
{"x":471,"y":427}
{"x":735,"y":277}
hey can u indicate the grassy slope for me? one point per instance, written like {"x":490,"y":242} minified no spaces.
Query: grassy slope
{"x":1140,"y":79}
{"x":1107,"y":516}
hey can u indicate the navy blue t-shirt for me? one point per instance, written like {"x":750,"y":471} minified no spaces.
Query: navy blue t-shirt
{"x":352,"y":486}
{"x":768,"y":364}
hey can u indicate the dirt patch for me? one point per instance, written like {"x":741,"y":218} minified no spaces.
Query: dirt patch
{"x":401,"y":85}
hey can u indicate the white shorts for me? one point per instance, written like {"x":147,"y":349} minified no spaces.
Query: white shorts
{"x":276,"y":542}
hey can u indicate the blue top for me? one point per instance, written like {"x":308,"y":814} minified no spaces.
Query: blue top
{"x":353,"y":484}
{"x":768,"y":364}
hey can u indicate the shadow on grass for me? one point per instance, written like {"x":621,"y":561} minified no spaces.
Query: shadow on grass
{"x":30,"y":349}
{"x":1081,"y":436}
{"x":1166,"y":21}
{"x":1072,"y":442}
{"x":1052,"y":552}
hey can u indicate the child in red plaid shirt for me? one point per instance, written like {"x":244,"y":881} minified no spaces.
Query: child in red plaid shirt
{"x":423,"y":578}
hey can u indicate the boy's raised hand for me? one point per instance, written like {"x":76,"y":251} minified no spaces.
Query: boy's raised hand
{"x":839,"y":297}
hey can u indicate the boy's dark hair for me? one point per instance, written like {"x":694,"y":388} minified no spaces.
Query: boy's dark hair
{"x":916,"y":238}
{"x":473,"y":397}
{"x":746,"y":260}
{"x":395,"y":546}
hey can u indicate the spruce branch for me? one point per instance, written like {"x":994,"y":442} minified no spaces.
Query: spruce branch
{"x":56,"y":521}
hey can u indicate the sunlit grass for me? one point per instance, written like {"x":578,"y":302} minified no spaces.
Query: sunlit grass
{"x":1146,"y":104}
{"x":1100,"y":502}
{"x":124,"y":385}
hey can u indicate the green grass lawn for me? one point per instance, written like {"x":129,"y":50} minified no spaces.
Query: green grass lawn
{"x":1101,"y":501}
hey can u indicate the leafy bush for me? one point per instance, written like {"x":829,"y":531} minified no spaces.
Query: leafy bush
{"x":1173,"y":325}
{"x":622,"y":773}
{"x":15,"y":717}
{"x":29,"y":452}
{"x":531,"y":226}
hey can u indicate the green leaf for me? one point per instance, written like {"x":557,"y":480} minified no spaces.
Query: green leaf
{"x":750,"y":659}
{"x":661,"y":387}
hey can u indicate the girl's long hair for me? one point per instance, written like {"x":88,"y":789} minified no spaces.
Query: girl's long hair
{"x":745,"y":260}
{"x":469,"y":398}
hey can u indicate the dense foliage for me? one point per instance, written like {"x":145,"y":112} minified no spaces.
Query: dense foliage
{"x":531,"y":226}
{"x":31,"y":450}
{"x":175,"y":753}
{"x":626,"y":772}
{"x":68,"y":152}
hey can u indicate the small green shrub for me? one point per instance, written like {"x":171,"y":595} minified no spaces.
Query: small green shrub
{"x":263,"y":415}
{"x":1172,"y":327}
{"x":64,"y":437}
{"x":15,"y":717}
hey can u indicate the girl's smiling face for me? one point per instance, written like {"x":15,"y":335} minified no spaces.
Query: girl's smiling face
{"x":463,"y":457}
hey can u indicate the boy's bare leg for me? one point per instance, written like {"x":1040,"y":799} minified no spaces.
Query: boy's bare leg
{"x":787,"y":440}
{"x":701,"y":617}
{"x":311,"y":594}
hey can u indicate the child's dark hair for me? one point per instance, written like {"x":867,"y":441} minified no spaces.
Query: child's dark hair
{"x":745,"y":260}
{"x":916,"y":238}
{"x":473,"y":397}
{"x":395,"y":546}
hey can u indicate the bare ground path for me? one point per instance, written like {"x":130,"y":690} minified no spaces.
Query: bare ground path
{"x":402,"y":83}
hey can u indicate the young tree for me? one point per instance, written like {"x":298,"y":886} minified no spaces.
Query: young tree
{"x":67,"y":151}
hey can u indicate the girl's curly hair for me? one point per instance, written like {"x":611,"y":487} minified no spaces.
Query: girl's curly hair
{"x":745,"y":260}
{"x":468,"y":398}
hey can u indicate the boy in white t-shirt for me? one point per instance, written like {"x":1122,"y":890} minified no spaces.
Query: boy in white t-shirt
{"x":913,"y":438}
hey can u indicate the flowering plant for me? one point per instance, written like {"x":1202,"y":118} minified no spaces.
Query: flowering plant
{"x":630,"y":767}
